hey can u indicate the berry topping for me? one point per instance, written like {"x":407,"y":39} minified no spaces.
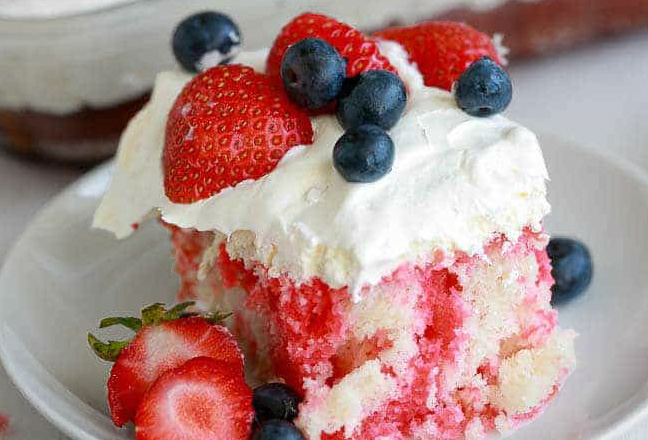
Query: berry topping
{"x":312,"y":72}
{"x":277,"y":430}
{"x":484,"y":89}
{"x":442,"y":50}
{"x":376,"y":97}
{"x":275,"y":401}
{"x":572,"y":269}
{"x":203,"y":399}
{"x":205,"y":40}
{"x":164,"y":340}
{"x":364,"y":154}
{"x":362,"y":53}
{"x":229,"y":124}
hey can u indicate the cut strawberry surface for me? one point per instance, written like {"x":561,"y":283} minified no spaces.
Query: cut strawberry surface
{"x":442,"y":50}
{"x":204,"y":399}
{"x":362,"y":52}
{"x":229,"y":124}
{"x":157,"y":348}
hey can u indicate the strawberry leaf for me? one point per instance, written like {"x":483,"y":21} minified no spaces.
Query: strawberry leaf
{"x":107,"y":351}
{"x":134,"y":324}
{"x":153,"y":314}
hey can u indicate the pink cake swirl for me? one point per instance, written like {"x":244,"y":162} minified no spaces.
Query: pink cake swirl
{"x":451,"y":349}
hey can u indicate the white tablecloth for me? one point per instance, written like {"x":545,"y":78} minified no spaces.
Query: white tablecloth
{"x":596,"y":96}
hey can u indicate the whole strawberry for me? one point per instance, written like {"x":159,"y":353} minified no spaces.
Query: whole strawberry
{"x":442,"y":50}
{"x":229,"y":124}
{"x":164,"y":340}
{"x":362,"y":52}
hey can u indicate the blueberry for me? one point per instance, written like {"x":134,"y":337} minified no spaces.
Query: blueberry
{"x":277,"y":430}
{"x":572,"y":269}
{"x":364,"y":154}
{"x":205,"y":40}
{"x":484,"y":89}
{"x":275,"y":401}
{"x":313,"y":72}
{"x":375,"y":97}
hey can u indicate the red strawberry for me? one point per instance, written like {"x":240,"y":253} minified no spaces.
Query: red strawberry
{"x":163,"y":342}
{"x":229,"y":124}
{"x":204,"y":399}
{"x":442,"y":49}
{"x":362,"y":53}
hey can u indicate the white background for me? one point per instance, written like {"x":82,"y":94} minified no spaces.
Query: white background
{"x":596,"y":96}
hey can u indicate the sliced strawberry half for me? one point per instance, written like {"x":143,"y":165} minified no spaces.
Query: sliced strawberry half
{"x":164,"y":341}
{"x":229,"y":124}
{"x":443,"y":50}
{"x":362,"y":52}
{"x":204,"y":399}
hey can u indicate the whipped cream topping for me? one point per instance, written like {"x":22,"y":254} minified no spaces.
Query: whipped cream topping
{"x":457,"y":182}
{"x":118,"y":46}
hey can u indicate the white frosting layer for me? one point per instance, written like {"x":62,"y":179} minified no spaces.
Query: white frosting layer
{"x":457,"y":182}
{"x":63,"y":64}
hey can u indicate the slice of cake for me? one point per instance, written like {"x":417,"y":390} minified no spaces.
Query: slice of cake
{"x":396,"y":277}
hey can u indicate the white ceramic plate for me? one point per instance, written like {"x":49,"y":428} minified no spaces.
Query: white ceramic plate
{"x":62,"y":278}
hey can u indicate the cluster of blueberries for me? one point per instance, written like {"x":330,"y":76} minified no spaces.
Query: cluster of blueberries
{"x":314,"y":76}
{"x":275,"y":406}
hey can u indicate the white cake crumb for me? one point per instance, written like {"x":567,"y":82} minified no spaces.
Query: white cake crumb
{"x":345,"y":405}
{"x":527,"y":377}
